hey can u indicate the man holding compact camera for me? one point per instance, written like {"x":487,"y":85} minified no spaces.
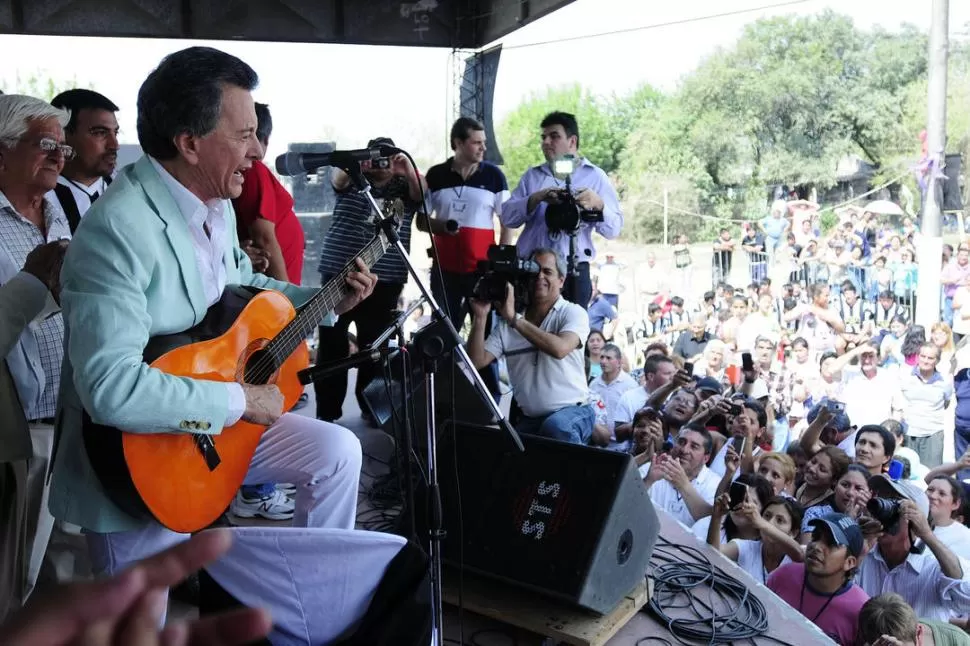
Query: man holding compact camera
{"x":540,"y":191}
{"x":544,"y":351}
{"x":935,"y":584}
{"x":352,"y":227}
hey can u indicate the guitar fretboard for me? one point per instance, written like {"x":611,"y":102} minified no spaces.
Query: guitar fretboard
{"x":322,"y":303}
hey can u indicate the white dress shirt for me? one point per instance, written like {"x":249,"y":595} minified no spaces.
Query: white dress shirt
{"x":209,"y":251}
{"x":84,"y":196}
{"x":666,"y":497}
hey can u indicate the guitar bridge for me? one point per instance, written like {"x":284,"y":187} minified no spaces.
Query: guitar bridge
{"x":208,"y":450}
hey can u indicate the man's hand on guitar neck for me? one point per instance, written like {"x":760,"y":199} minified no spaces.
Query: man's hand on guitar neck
{"x":362,"y":285}
{"x":264,"y":404}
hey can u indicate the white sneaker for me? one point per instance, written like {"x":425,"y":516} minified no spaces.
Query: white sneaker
{"x":276,"y":506}
{"x":286,"y":488}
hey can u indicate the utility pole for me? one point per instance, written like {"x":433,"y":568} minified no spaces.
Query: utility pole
{"x":931,"y":244}
{"x":666,"y":217}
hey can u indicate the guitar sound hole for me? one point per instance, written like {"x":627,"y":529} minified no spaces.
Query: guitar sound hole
{"x":259,"y":368}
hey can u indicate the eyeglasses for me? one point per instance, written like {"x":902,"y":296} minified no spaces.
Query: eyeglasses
{"x":49,"y":145}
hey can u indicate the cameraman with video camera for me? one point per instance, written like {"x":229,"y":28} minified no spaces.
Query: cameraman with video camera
{"x":544,"y":351}
{"x":541,"y":199}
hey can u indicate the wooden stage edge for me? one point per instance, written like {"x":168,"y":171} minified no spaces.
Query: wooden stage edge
{"x":532,"y":612}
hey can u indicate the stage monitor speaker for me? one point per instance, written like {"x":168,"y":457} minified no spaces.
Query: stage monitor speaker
{"x":571,"y":522}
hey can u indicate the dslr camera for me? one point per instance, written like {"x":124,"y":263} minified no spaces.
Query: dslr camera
{"x":504,"y":267}
{"x":565,"y":215}
{"x":886,"y":511}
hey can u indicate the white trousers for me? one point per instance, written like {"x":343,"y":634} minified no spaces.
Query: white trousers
{"x":316,"y":582}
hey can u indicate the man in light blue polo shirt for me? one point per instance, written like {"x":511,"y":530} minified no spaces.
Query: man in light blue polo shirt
{"x":924,"y":395}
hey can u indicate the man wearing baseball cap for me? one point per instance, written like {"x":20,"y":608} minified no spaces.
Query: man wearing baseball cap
{"x":821,"y":588}
{"x":932,"y":581}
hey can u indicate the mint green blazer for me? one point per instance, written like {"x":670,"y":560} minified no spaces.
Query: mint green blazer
{"x":130,"y":274}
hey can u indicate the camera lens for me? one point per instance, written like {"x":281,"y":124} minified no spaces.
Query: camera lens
{"x":884,"y":510}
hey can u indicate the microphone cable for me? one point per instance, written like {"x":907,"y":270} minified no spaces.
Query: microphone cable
{"x":679,"y":572}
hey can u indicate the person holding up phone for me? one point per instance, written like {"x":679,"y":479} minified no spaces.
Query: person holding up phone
{"x":747,"y":425}
{"x":747,"y":487}
{"x":775,"y":528}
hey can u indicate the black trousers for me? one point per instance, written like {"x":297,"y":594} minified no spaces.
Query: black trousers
{"x":372,"y":315}
{"x":579,"y":289}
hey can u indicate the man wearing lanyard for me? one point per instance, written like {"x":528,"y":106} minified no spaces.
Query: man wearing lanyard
{"x":538,"y":188}
{"x":93,"y":134}
{"x":466,"y":193}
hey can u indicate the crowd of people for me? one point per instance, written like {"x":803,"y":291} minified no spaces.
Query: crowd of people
{"x":798,"y":429}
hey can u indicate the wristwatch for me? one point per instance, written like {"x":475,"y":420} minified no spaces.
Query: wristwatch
{"x":514,"y":323}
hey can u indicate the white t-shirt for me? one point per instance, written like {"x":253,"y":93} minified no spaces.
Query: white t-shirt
{"x":666,"y":497}
{"x":612,"y":393}
{"x":956,"y":537}
{"x":542,"y":383}
{"x":962,"y":325}
{"x":869,"y":401}
{"x":749,"y":559}
{"x":609,"y":278}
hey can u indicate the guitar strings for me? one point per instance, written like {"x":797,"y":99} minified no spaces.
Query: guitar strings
{"x":323,"y":302}
{"x":318,"y":305}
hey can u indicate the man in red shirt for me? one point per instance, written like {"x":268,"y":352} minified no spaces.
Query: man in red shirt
{"x":264,"y":213}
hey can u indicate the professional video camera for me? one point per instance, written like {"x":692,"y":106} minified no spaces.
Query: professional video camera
{"x":502,"y":268}
{"x":565,"y":215}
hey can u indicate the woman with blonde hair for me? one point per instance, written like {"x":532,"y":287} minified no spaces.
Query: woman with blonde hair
{"x":779,"y":469}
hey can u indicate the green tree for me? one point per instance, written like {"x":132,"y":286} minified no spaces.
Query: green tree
{"x":40,"y":84}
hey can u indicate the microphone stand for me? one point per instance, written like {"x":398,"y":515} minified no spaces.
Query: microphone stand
{"x":432,"y":350}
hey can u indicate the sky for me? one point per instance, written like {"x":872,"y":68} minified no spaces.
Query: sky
{"x":322,"y":92}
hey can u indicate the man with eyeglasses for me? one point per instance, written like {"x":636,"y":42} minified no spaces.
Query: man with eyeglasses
{"x":93,"y":134}
{"x":32,"y":156}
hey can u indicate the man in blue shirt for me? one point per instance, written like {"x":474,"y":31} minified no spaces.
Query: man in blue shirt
{"x":539,"y":187}
{"x":600,"y":311}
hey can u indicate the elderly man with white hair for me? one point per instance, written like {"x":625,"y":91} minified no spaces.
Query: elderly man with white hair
{"x":32,"y":154}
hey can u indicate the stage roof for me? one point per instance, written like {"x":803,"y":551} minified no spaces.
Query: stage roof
{"x":465,"y":24}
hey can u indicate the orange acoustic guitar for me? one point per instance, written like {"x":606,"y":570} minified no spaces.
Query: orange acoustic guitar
{"x":186,"y":480}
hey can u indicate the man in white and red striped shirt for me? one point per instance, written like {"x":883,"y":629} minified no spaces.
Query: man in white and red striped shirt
{"x":467,"y":194}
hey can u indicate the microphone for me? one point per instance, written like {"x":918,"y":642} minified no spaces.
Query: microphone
{"x":311,"y":374}
{"x":290,"y":164}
